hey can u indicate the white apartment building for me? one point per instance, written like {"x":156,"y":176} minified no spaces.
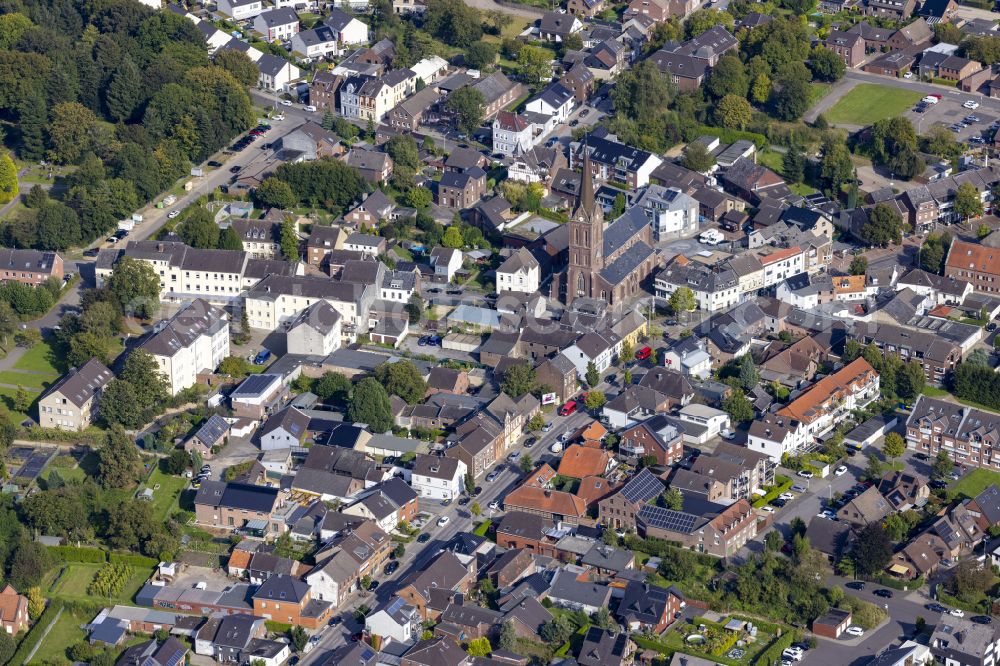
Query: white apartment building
{"x":512,"y":134}
{"x":277,"y":24}
{"x":600,"y":348}
{"x":278,"y":299}
{"x":782,"y":264}
{"x":218,"y":276}
{"x":671,"y":213}
{"x":194,"y":341}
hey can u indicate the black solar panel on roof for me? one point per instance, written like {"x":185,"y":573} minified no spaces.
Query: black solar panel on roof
{"x":642,"y":488}
{"x":668,"y":519}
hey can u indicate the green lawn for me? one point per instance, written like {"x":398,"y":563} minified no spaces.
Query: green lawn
{"x":165,"y":498}
{"x":28,"y":380}
{"x":72,"y":580}
{"x":802,"y":189}
{"x":772,"y":159}
{"x":818,"y":91}
{"x":40,"y":358}
{"x":934,"y":392}
{"x":974,"y":483}
{"x":65,"y":633}
{"x":869,"y":102}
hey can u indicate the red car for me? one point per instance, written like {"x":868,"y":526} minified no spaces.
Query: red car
{"x":568,"y":408}
{"x":643,"y":354}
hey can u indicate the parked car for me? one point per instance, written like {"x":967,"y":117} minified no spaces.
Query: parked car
{"x":643,"y":354}
{"x":492,"y":476}
{"x":495,"y":505}
{"x":786,"y":496}
{"x":424,"y":538}
{"x":806,"y":474}
{"x":391,"y":567}
{"x":856,"y":585}
{"x":971,"y":104}
{"x":443,"y":520}
{"x":530,"y":442}
{"x":285,"y":102}
{"x":884,"y":593}
{"x":462,"y":501}
{"x":840,"y":471}
{"x":778,"y":502}
{"x":982,"y":619}
{"x":855,"y":630}
{"x":310,"y":108}
{"x":547,"y":427}
{"x":956,"y":612}
{"x":798,"y":489}
{"x":567,"y":408}
{"x":936,"y":608}
{"x":172,"y":214}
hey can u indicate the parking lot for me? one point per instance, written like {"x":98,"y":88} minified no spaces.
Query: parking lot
{"x":949,"y":111}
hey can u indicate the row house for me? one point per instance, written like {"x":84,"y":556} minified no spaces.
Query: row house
{"x":353,"y":554}
{"x":286,"y":599}
{"x":29,"y":266}
{"x":658,"y":436}
{"x":616,"y":162}
{"x":536,"y":496}
{"x":432,"y":589}
{"x":936,"y":355}
{"x":240,"y":507}
{"x":976,"y":264}
{"x":372,"y":98}
{"x":970,"y":436}
{"x":714,"y":289}
{"x":277,"y":24}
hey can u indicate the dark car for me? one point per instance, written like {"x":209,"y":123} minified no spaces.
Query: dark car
{"x":234,"y":169}
{"x":982,"y":619}
{"x":885,"y":594}
{"x":454,"y":292}
{"x":92,"y":252}
{"x":422,"y":342}
{"x":335,"y":620}
{"x":424,"y":538}
{"x":936,"y":608}
{"x":214,"y":164}
{"x":446,"y":501}
{"x":938,"y":484}
{"x":574,"y":123}
{"x":434,"y":290}
{"x":778,"y":502}
{"x":991,"y":327}
{"x":856,"y":585}
{"x":434,"y":340}
{"x":530,"y":442}
{"x":390,"y":568}
{"x":477,"y":491}
{"x":373,"y":586}
{"x":462,"y":501}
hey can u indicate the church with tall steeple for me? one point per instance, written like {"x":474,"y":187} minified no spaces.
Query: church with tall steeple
{"x":608,"y":262}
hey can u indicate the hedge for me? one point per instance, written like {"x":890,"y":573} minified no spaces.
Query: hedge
{"x":782,"y":483}
{"x":93,"y":436}
{"x":134,"y":560}
{"x":732,"y":136}
{"x":897,"y":584}
{"x":71,"y":554}
{"x":772,"y":655}
{"x":35,"y":635}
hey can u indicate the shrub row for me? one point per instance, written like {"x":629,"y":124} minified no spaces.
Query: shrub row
{"x":35,"y":635}
{"x":732,"y":136}
{"x":135,"y":560}
{"x":772,"y":655}
{"x":782,"y":483}
{"x":64,"y":554}
{"x":897,"y":584}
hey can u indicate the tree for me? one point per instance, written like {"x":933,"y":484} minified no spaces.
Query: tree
{"x":125,"y":91}
{"x":773,"y":541}
{"x":118,"y":462}
{"x":118,"y":407}
{"x":728,"y":77}
{"x":415,"y":309}
{"x":36,"y":603}
{"x":705,"y":19}
{"x":534,"y":64}
{"x":136,"y":287}
{"x":275,"y":193}
{"x":910,"y":381}
{"x":884,"y":226}
{"x":370,"y":404}
{"x":749,"y":377}
{"x":8,"y":179}
{"x":969,"y":579}
{"x":893,"y":446}
{"x":967,"y":201}
{"x":526,"y":463}
{"x":595,"y":400}
{"x":793,"y":164}
{"x":419,"y":198}
{"x":149,"y":386}
{"x":618,"y":207}
{"x":176,"y":462}
{"x":479,"y":647}
{"x":467,"y":104}
{"x":470,"y":483}
{"x":481,"y":55}
{"x":942,"y":466}
{"x":289,"y":240}
{"x":332,"y":386}
{"x":199,"y":229}
{"x":673,"y":499}
{"x":734,"y":112}
{"x":58,"y":227}
{"x":557,"y":630}
{"x":592,"y":376}
{"x":739,"y":408}
{"x":827,"y":65}
{"x":298,"y":635}
{"x":475,"y":509}
{"x":22,"y":399}
{"x":508,"y":636}
{"x":29,"y":563}
{"x":697,"y":158}
{"x":859,"y":265}
{"x":682,"y":300}
{"x":403,"y":379}
{"x":229,"y":239}
{"x":71,"y":131}
{"x":453,"y":22}
{"x":519,"y":379}
{"x":239,"y":64}
{"x":872,"y":550}
{"x":452,"y":238}
{"x":789,"y":98}
{"x":835,"y":167}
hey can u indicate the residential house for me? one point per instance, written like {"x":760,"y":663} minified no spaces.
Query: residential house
{"x":308,"y":141}
{"x":958,"y":640}
{"x":257,"y":395}
{"x":707,"y":528}
{"x":602,"y":647}
{"x":896,"y":10}
{"x":535,"y":495}
{"x":619,"y":510}
{"x":13,"y":610}
{"x":584,"y":8}
{"x":554,"y":101}
{"x":437,"y":651}
{"x":579,"y":461}
{"x":316,"y":43}
{"x":375,"y":166}
{"x":209,"y":435}
{"x":276,"y":24}
{"x":968,"y":435}
{"x":461,"y":190}
{"x":557,"y":26}
{"x":415,"y":110}
{"x":904,"y":490}
{"x":521,"y":272}
{"x":521,"y":530}
{"x":240,"y":10}
{"x":316,"y":331}
{"x":658,"y":436}
{"x":974,"y":263}
{"x":239,"y":506}
{"x":612,"y":161}
{"x":567,"y":591}
{"x":285,"y":599}
{"x":498,"y":93}
{"x":390,"y":503}
{"x":394,"y":621}
{"x":438,"y":477}
{"x":72,"y":402}
{"x":446,"y":262}
{"x":867,"y":508}
{"x":649,"y":608}
{"x":848,"y":45}
{"x":358,"y":548}
{"x":350,"y":30}
{"x":432,"y":589}
{"x":512,"y":134}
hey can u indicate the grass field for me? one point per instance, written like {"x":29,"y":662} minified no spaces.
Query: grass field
{"x":39,"y":358}
{"x":29,"y":380}
{"x":868,"y":102}
{"x":974,"y":483}
{"x":65,"y":633}
{"x":165,"y":498}
{"x":72,"y":580}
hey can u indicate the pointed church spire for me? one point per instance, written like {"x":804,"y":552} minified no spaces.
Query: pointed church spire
{"x":587,"y":184}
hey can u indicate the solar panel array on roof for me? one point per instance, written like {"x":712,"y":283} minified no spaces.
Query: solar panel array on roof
{"x":668,"y":519}
{"x":642,"y":488}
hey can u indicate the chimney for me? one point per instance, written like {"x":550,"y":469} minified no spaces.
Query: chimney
{"x":459,"y":599}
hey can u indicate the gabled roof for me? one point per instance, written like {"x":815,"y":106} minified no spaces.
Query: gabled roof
{"x":79,"y":386}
